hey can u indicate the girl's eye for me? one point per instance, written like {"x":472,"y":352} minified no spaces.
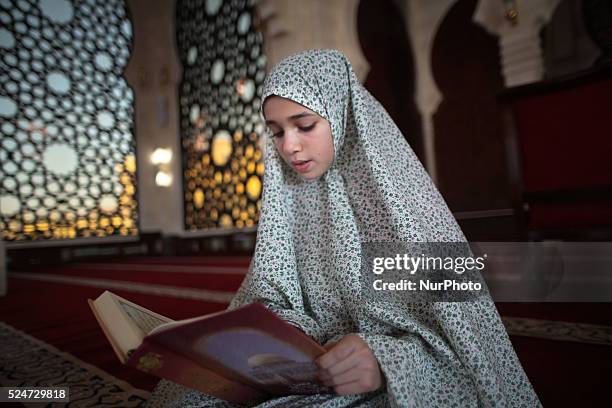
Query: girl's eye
{"x":273,"y":134}
{"x":280,"y":133}
{"x":307,"y":128}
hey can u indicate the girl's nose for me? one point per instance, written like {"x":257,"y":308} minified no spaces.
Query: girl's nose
{"x":292,"y":143}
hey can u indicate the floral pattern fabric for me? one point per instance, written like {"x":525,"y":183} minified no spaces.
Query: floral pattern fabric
{"x":306,"y":265}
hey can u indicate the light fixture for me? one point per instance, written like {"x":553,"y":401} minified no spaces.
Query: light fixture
{"x":163,"y":179}
{"x":161,"y":156}
{"x":512,"y":13}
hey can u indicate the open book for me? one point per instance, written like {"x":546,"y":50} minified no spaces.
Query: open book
{"x":245,"y":356}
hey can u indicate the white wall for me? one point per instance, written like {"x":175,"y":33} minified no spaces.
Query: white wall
{"x":314,"y":24}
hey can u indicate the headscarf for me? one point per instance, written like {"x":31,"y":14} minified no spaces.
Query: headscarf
{"x":308,"y":253}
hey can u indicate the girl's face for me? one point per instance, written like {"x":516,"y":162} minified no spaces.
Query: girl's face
{"x":302,"y":137}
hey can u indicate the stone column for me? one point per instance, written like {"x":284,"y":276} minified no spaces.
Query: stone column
{"x":289,"y":27}
{"x":154,"y":74}
{"x":519,"y":38}
{"x":423,"y":18}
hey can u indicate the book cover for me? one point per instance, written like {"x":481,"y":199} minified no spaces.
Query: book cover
{"x":244,"y":355}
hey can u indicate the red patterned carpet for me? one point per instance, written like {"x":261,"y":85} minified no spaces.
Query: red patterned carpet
{"x":50,"y":304}
{"x":566,"y":349}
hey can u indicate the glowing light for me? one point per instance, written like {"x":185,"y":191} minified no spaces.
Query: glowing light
{"x":253,"y":187}
{"x":130,"y":163}
{"x":163,"y":179}
{"x":198,"y":198}
{"x":221,"y":148}
{"x":161,"y":156}
{"x":226,"y":221}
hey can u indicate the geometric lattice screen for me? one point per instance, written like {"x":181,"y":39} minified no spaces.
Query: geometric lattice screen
{"x":223,"y":72}
{"x":67,"y":154}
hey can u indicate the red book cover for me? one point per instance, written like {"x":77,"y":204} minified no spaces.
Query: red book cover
{"x":165,"y":363}
{"x":246,"y":355}
{"x":249,"y":345}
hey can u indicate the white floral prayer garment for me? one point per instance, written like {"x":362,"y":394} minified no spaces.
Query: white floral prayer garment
{"x":306,"y":265}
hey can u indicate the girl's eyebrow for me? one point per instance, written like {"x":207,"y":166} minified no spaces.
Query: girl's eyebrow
{"x":292,"y":117}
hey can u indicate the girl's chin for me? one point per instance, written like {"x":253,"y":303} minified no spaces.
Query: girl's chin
{"x":311,"y":176}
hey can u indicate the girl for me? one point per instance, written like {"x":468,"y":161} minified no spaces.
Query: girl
{"x":339,"y":174}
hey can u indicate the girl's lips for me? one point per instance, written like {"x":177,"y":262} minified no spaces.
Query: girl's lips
{"x":301,"y":166}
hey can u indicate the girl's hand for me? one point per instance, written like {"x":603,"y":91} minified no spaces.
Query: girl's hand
{"x":349,"y":366}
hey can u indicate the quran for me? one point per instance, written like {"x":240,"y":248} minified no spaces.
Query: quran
{"x":246,"y":355}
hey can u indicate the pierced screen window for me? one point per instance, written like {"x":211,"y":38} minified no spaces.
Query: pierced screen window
{"x":223,"y":72}
{"x":67,"y":154}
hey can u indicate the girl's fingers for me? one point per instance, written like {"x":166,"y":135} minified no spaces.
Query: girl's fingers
{"x":344,"y":378}
{"x":350,"y":367}
{"x":338,"y":353}
{"x":345,"y":365}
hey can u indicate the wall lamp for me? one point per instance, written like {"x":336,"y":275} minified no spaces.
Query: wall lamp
{"x":161,"y":157}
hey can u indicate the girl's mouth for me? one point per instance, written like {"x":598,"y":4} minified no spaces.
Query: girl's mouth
{"x":301,"y":166}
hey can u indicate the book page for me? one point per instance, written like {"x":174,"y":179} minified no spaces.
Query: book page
{"x":145,"y":320}
{"x":173,"y":323}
